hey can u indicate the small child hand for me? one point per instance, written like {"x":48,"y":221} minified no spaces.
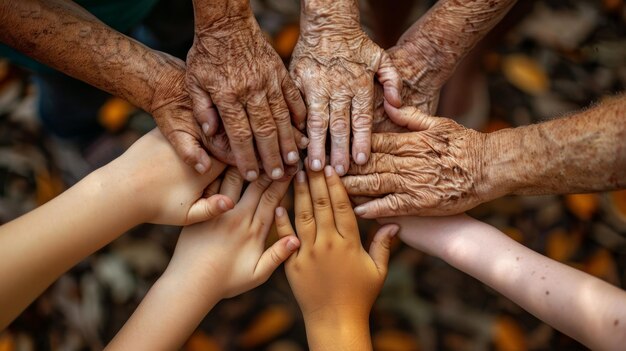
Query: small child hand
{"x":332,"y":273}
{"x":227,"y":255}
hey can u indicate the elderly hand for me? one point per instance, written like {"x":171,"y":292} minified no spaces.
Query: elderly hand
{"x":232,"y":66}
{"x":334,"y":64}
{"x":435,"y":170}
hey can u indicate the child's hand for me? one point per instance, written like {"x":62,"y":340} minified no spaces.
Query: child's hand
{"x":332,"y":274}
{"x":227,"y":255}
{"x":163,"y":188}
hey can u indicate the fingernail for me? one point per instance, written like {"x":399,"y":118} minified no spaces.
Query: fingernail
{"x":205,"y":128}
{"x":340,"y":170}
{"x":316,"y":165}
{"x":393,"y":231}
{"x":292,"y":244}
{"x":360,"y":210}
{"x":222,"y":204}
{"x":304,"y":141}
{"x":280,"y":211}
{"x":328,"y":171}
{"x":277,"y":173}
{"x":300,"y":177}
{"x":200,"y":168}
{"x":301,"y":125}
{"x":361,"y":158}
{"x":251,"y":175}
{"x":293,"y":157}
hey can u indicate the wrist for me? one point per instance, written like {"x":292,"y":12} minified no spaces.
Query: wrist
{"x":169,"y":85}
{"x":329,"y":16}
{"x":505,"y":168}
{"x":212,"y":15}
{"x":335,"y":328}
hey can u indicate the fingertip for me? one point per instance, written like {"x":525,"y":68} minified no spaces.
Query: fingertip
{"x":226,"y":203}
{"x":292,"y":243}
{"x":280,"y":211}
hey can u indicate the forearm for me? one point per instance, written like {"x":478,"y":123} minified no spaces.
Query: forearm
{"x":332,"y":331}
{"x":63,"y":35}
{"x":329,"y":15}
{"x":217,"y":13}
{"x":429,"y":51}
{"x":584,"y":307}
{"x":167,"y":316}
{"x":581,"y":153}
{"x":41,"y":245}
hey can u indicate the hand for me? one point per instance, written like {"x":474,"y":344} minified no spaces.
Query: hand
{"x":332,"y":273}
{"x":167,"y":191}
{"x":434,"y":171}
{"x":232,"y":67}
{"x":230,"y":249}
{"x":333,"y":64}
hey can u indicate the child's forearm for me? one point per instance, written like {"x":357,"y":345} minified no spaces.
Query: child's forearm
{"x":39,"y":246}
{"x":168,"y":314}
{"x":580,"y":305}
{"x":332,"y":331}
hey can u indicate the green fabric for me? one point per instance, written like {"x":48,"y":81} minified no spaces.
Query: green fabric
{"x":121,"y":15}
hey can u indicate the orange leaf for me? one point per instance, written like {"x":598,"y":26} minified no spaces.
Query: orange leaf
{"x":48,"y":186}
{"x":199,"y":341}
{"x":269,"y":324}
{"x":114,"y":113}
{"x":7,"y":342}
{"x":602,"y":265}
{"x":525,"y":74}
{"x":584,"y":206}
{"x":508,"y":335}
{"x":619,"y":202}
{"x":394,"y":340}
{"x":286,"y":40}
{"x":560,"y":246}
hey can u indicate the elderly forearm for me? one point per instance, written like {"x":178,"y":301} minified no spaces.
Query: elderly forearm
{"x":210,"y":14}
{"x":584,"y":152}
{"x":63,"y":35}
{"x":329,"y":15}
{"x":429,"y":51}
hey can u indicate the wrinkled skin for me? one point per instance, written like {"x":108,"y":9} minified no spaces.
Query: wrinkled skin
{"x":333,"y":65}
{"x":232,"y":67}
{"x":435,"y":170}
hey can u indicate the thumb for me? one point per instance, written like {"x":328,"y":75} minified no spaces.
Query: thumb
{"x":207,"y":208}
{"x":410,"y":117}
{"x":381,"y":246}
{"x":274,"y":256}
{"x":389,"y":77}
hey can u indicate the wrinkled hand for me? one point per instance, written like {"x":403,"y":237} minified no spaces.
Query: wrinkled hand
{"x":334,"y":65}
{"x":171,"y":110}
{"x":332,"y":271}
{"x":434,"y":171}
{"x":232,"y":67}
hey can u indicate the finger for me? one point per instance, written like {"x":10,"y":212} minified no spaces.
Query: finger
{"x":411,"y":117}
{"x":274,"y":256}
{"x":207,"y":208}
{"x":305,"y":220}
{"x":213,"y":188}
{"x":381,"y":246}
{"x":342,"y":208}
{"x":360,"y":200}
{"x":265,"y":135}
{"x":294,"y":102}
{"x":320,"y":199}
{"x":340,"y":134}
{"x":254,"y":191}
{"x":373,"y":184}
{"x":391,"y":205}
{"x":286,"y":139}
{"x":389,"y":77}
{"x":301,"y":140}
{"x":204,"y":111}
{"x":362,"y":116}
{"x":219,"y":147}
{"x":190,"y":151}
{"x":317,"y":126}
{"x":270,"y":199}
{"x":240,"y":138}
{"x":232,"y":184}
{"x":283,"y":225}
{"x":396,"y":144}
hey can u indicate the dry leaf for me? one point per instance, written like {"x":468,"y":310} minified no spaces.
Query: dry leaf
{"x":269,"y":324}
{"x":508,"y":335}
{"x":560,"y":246}
{"x":525,"y":74}
{"x":584,"y":206}
{"x":602,"y":265}
{"x":7,"y":342}
{"x":514,"y":234}
{"x":619,"y":202}
{"x":286,"y":40}
{"x":114,"y":114}
{"x":394,"y":340}
{"x":495,"y":124}
{"x":199,"y":341}
{"x":48,"y":186}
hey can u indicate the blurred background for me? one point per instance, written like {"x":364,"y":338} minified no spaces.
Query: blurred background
{"x":546,"y":59}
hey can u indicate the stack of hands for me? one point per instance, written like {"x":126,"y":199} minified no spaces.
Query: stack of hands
{"x":234,"y":102}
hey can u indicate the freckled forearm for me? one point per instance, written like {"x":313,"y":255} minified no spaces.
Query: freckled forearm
{"x":209,"y":12}
{"x":584,"y":152}
{"x":64,"y":36}
{"x":430,"y":50}
{"x":326,"y":14}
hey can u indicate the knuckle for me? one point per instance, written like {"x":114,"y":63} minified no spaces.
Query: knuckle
{"x":321,"y":202}
{"x":305,"y":217}
{"x":317,"y":123}
{"x":339,"y":126}
{"x":272,"y":196}
{"x":275,"y":257}
{"x":265,"y":130}
{"x":343,"y":206}
{"x":240,"y":134}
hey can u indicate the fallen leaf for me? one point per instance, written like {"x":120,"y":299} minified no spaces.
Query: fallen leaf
{"x":602,"y":265}
{"x":114,"y":114}
{"x":525,"y":74}
{"x":560,"y":245}
{"x":7,"y":342}
{"x":508,"y":335}
{"x":584,"y":206}
{"x":394,"y":340}
{"x":286,"y":40}
{"x":269,"y":324}
{"x":199,"y":341}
